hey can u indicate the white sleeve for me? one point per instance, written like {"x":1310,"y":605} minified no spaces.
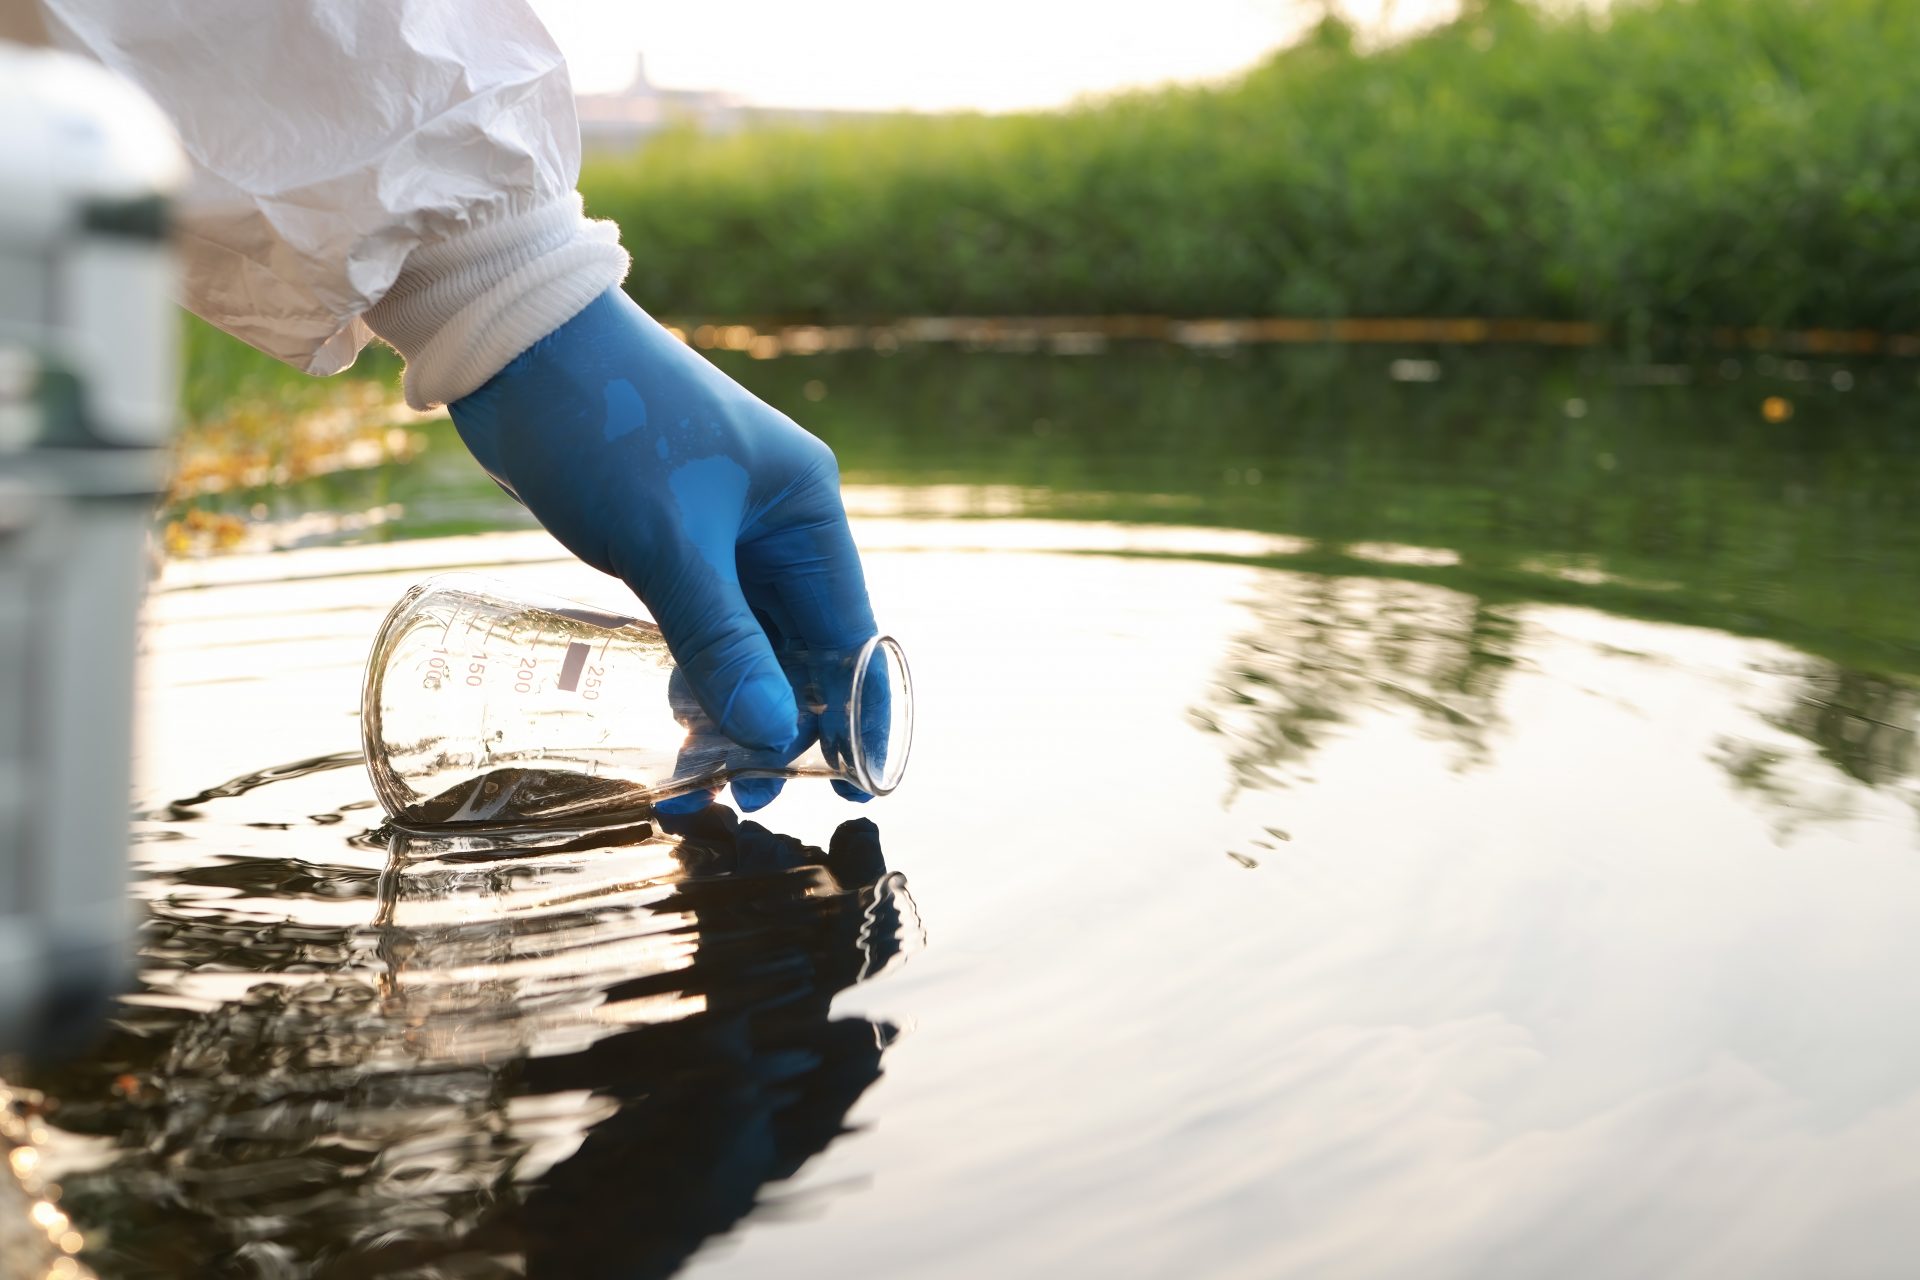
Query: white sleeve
{"x":400,"y":167}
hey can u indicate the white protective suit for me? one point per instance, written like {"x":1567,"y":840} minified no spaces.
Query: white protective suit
{"x":403,"y":168}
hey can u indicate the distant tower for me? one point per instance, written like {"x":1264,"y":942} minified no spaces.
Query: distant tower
{"x":640,"y":86}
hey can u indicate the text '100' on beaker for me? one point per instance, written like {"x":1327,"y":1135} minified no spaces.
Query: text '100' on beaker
{"x":488,"y":705}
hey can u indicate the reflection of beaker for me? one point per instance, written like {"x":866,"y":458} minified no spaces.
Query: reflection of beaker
{"x":487,"y":705}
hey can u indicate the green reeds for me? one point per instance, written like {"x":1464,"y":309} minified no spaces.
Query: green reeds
{"x":1652,"y":167}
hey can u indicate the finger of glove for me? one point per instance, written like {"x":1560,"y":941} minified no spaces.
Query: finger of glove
{"x":756,"y":793}
{"x":705,"y":753}
{"x":847,"y":791}
{"x":807,"y":575}
{"x":721,"y":650}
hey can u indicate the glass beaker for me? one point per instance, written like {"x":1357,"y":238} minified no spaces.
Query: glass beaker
{"x":486,"y":705}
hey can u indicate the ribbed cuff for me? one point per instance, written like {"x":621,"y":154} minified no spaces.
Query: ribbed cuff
{"x":463,"y":308}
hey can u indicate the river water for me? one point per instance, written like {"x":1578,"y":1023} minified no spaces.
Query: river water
{"x":1466,"y":824}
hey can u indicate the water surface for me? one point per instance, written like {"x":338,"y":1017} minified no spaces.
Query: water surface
{"x":1446,"y":855}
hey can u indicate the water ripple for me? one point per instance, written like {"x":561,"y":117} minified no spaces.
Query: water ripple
{"x":407,"y":1055}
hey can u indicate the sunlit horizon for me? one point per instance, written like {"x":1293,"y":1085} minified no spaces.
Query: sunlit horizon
{"x":993,"y":55}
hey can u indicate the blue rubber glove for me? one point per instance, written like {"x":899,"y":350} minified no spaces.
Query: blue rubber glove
{"x":721,"y":513}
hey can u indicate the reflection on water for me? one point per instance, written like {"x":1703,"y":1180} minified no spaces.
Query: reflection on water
{"x":580,"y":1056}
{"x":1325,"y":648}
{"x":1863,"y":726}
{"x":1323,"y":651}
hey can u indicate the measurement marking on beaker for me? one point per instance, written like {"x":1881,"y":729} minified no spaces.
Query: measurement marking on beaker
{"x":572,"y":665}
{"x":595,"y":618}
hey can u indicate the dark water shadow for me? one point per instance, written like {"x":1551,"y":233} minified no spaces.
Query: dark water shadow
{"x":582,"y":1055}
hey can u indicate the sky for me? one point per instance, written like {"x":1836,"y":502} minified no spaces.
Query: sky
{"x":990,"y":55}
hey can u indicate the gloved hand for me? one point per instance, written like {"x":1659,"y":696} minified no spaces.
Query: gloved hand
{"x":721,"y":513}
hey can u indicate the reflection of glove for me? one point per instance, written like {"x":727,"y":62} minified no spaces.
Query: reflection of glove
{"x":719,"y":511}
{"x":715,"y":842}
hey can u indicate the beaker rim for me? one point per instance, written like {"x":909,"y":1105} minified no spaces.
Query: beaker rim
{"x":899,"y":723}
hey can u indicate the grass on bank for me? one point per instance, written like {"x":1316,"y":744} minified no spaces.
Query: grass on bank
{"x":1654,"y":166}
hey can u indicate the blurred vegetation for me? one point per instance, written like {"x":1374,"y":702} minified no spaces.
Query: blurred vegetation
{"x":1657,"y":166}
{"x":1764,"y":496}
{"x":254,"y":425}
{"x":219,"y":373}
